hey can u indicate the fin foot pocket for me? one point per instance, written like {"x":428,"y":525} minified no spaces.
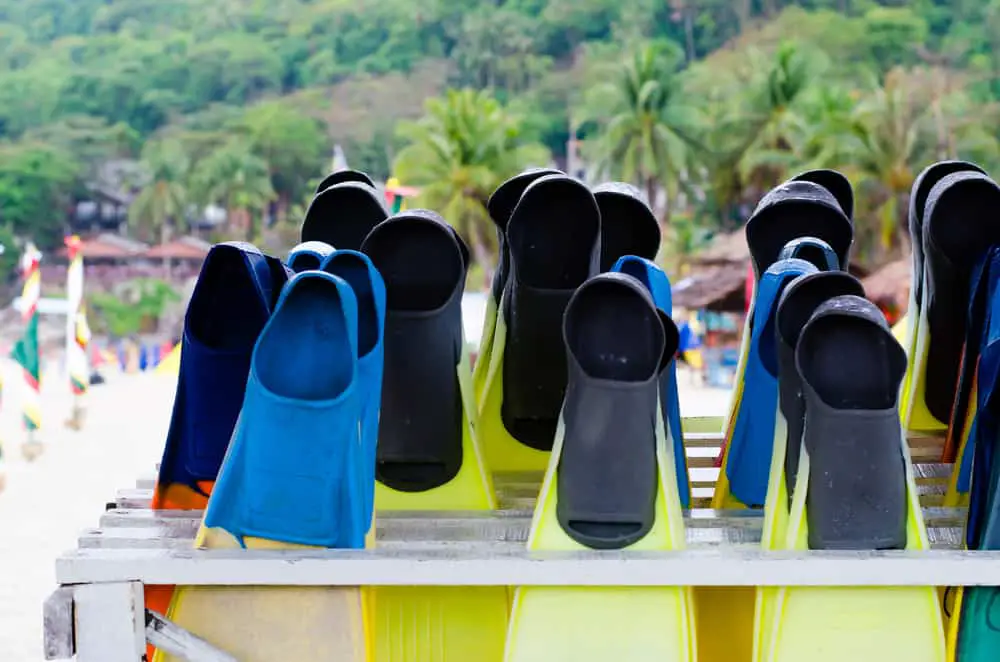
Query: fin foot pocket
{"x":857,"y":491}
{"x":553,"y":238}
{"x":959,"y":227}
{"x":423,"y":263}
{"x":628,"y":225}
{"x":297,"y":438}
{"x":607,"y":471}
{"x":342,"y":215}
{"x":797,"y":304}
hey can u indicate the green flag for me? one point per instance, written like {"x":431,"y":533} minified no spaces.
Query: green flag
{"x":25,"y":352}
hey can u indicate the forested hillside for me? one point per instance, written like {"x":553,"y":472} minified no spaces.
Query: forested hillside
{"x":709,"y":99}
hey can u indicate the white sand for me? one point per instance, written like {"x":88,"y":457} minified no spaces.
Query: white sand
{"x":47,"y":503}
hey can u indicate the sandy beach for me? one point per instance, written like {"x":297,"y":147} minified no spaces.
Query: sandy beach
{"x":48,"y":502}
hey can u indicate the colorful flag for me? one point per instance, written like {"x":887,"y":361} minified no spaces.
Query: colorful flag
{"x":25,"y":352}
{"x":77,"y":330}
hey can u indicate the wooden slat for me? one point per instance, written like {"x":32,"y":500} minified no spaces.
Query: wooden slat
{"x":696,"y":567}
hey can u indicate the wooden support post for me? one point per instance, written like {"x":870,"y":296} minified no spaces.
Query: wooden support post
{"x":110,"y":622}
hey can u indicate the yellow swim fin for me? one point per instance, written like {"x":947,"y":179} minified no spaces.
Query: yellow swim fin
{"x":553,"y":245}
{"x":263,"y":624}
{"x":869,"y":506}
{"x":913,"y":406}
{"x":428,"y":455}
{"x":610,"y":484}
{"x":292,"y":478}
{"x":916,"y":416}
{"x":500,"y":206}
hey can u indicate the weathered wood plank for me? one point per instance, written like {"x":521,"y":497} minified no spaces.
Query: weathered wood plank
{"x":701,"y":567}
{"x":57,"y":625}
{"x":110,"y":621}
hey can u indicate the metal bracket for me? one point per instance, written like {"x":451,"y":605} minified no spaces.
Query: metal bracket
{"x":171,"y":638}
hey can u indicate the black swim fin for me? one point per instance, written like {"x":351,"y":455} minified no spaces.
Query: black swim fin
{"x":798,"y":302}
{"x":960,"y":225}
{"x":340,"y":176}
{"x":921,"y":188}
{"x":792,"y":210}
{"x":553,"y":238}
{"x":851,"y":369}
{"x":343,"y":215}
{"x":836,"y":183}
{"x":628,"y":225}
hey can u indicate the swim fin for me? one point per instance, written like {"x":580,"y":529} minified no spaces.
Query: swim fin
{"x":609,"y":485}
{"x":553,"y":240}
{"x":963,"y":432}
{"x":285,"y":483}
{"x":500,"y":206}
{"x":341,"y":176}
{"x":854,"y":491}
{"x":983,"y":526}
{"x":428,"y":456}
{"x":836,"y":183}
{"x":795,"y":209}
{"x":357,"y":270}
{"x":981,"y":288}
{"x":654,"y":280}
{"x":747,"y":457}
{"x":933,"y":195}
{"x":308,"y":256}
{"x":628,"y":225}
{"x":232,"y":301}
{"x":798,"y":302}
{"x":342,"y":215}
{"x":973,"y":632}
{"x":815,"y":251}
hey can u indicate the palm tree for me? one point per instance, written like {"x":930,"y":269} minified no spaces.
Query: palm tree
{"x":233,"y":176}
{"x":774,"y":120}
{"x":161,"y":204}
{"x":466,"y":144}
{"x":646,"y":124}
{"x":892,"y":125}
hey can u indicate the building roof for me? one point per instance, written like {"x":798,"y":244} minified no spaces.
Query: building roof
{"x":108,"y":245}
{"x":182,"y":248}
{"x":718,"y":287}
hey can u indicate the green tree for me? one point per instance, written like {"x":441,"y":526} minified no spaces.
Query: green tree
{"x":646,"y":123}
{"x":161,"y":206}
{"x":37,"y":182}
{"x":466,"y":144}
{"x":238,"y":179}
{"x":293,"y":144}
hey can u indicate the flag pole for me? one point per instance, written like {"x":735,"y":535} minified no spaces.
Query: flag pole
{"x":26,"y":351}
{"x":77,"y":332}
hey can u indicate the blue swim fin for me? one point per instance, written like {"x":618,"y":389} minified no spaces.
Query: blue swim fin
{"x":656,"y":281}
{"x":359,"y":272}
{"x":748,"y":461}
{"x":232,"y":301}
{"x":288,"y":474}
{"x":308,"y":255}
{"x":813,"y":250}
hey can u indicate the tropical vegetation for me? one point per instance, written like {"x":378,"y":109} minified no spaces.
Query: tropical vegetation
{"x":703,"y":104}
